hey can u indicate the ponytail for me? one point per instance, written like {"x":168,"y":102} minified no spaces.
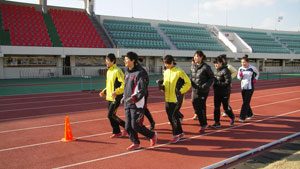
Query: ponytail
{"x":201,"y":54}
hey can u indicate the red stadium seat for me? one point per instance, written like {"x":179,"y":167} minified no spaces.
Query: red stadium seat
{"x":24,"y":23}
{"x":74,"y":26}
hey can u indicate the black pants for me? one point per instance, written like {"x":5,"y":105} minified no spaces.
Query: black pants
{"x":115,"y":121}
{"x":246,"y":110}
{"x":224,"y":99}
{"x":172,"y":110}
{"x":199,"y":104}
{"x":134,"y":124}
{"x":147,"y":112}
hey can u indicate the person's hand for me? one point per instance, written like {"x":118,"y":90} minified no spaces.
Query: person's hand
{"x":178,"y":93}
{"x":240,"y":74}
{"x":129,"y":100}
{"x":254,"y":81}
{"x":102,"y":94}
{"x":114,"y":95}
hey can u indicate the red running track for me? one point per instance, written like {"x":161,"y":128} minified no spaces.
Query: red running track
{"x":31,"y":127}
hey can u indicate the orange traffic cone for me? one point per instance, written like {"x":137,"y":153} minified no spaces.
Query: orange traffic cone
{"x":68,"y":132}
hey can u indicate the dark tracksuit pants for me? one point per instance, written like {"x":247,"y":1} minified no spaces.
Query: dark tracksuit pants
{"x":173,"y":116}
{"x":115,"y":121}
{"x":147,"y":112}
{"x":134,"y":124}
{"x":246,"y":110}
{"x":199,"y":104}
{"x":224,"y":99}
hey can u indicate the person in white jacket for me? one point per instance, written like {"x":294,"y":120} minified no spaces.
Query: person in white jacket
{"x":248,"y":75}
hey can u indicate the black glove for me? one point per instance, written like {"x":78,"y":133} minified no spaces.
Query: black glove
{"x":178,"y":93}
{"x":160,"y":84}
{"x":160,"y":81}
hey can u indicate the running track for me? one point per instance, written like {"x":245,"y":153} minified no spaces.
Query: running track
{"x":31,"y":127}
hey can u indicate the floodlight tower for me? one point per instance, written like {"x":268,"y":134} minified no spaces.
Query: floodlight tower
{"x":89,"y":6}
{"x":43,"y":3}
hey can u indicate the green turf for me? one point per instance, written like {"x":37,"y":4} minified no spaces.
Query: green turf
{"x":71,"y":84}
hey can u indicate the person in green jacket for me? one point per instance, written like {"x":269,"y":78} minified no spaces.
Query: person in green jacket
{"x":114,"y":92}
{"x":175,"y":84}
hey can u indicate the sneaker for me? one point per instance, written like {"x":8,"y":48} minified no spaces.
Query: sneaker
{"x":249,"y":118}
{"x":153,"y":140}
{"x":195,"y":117}
{"x":175,"y":139}
{"x":134,"y":147}
{"x":116,"y":135}
{"x":181,"y":135}
{"x":124,"y":133}
{"x":224,"y":114}
{"x":152,"y":125}
{"x":202,"y":130}
{"x":241,"y":120}
{"x":232,"y":122}
{"x":216,"y":125}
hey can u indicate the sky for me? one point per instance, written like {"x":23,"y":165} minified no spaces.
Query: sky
{"x":258,"y":14}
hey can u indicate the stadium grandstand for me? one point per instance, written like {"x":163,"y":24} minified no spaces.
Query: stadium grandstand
{"x":37,"y":40}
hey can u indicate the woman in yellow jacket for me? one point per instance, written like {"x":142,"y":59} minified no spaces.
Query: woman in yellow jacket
{"x":175,"y":84}
{"x":114,"y":93}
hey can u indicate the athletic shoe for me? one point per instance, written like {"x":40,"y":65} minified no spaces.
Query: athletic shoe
{"x":181,"y":135}
{"x":232,"y":122}
{"x":216,"y":125}
{"x":241,"y":120}
{"x":152,"y":125}
{"x":249,"y":118}
{"x":134,"y":147}
{"x":124,"y":133}
{"x":195,"y":117}
{"x":153,"y":140}
{"x":175,"y":139}
{"x":224,"y":114}
{"x":202,"y":130}
{"x":116,"y":135}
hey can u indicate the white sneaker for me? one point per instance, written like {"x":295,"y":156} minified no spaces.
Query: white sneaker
{"x":249,"y":118}
{"x":224,"y":114}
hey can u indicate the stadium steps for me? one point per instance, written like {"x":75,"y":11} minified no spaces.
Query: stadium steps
{"x":52,"y":30}
{"x":166,"y":38}
{"x":100,"y":29}
{"x":4,"y":35}
{"x":214,"y":36}
{"x":282,"y":44}
{"x":133,"y":34}
{"x":191,"y":37}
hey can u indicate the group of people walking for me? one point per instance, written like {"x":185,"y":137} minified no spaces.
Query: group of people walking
{"x":132,"y":91}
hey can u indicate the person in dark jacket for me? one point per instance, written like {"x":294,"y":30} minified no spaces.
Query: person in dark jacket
{"x":134,"y":102}
{"x":146,"y":110}
{"x":222,"y":89}
{"x":202,"y":78}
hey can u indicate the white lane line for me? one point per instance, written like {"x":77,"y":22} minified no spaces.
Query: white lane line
{"x":32,"y":145}
{"x":153,"y":112}
{"x":160,"y":145}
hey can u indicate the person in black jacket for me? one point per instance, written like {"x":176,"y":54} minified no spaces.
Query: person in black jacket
{"x":202,"y":78}
{"x":134,"y":102}
{"x":146,"y":110}
{"x":222,"y":88}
